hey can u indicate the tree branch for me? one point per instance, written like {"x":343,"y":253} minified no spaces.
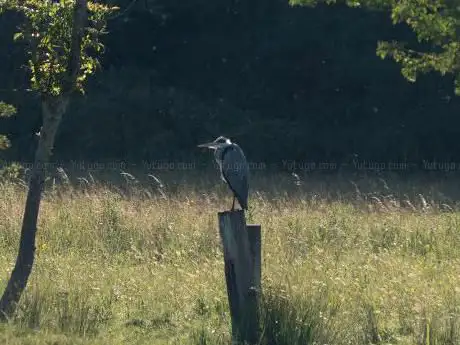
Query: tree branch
{"x":80,"y":18}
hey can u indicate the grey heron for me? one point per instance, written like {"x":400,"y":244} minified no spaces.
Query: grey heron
{"x":233,"y":167}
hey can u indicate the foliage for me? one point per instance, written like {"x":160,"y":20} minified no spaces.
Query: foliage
{"x":47,"y":31}
{"x":436,"y":24}
{"x":11,"y":171}
{"x":6,"y":110}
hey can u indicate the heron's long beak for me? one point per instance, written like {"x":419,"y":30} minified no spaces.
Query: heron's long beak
{"x":207,"y":145}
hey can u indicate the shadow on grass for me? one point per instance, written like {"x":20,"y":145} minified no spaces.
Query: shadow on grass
{"x":301,"y":321}
{"x":72,"y":313}
{"x":284,"y":321}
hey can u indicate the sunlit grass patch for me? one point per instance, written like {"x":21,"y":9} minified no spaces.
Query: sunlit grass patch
{"x":121,"y":264}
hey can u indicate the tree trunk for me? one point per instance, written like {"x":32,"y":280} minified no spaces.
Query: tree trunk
{"x":53,"y":108}
{"x":52,"y":111}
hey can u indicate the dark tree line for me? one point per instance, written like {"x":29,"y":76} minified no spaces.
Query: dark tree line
{"x":285,"y":82}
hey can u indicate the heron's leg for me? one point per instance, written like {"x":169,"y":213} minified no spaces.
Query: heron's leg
{"x":233,"y":205}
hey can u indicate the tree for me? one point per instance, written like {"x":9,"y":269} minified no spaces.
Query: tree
{"x":63,"y":43}
{"x":436,"y":24}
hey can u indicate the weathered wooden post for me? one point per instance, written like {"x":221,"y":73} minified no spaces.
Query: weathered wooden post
{"x":242,"y":258}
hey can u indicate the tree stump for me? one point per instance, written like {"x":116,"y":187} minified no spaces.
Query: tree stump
{"x":242,"y":259}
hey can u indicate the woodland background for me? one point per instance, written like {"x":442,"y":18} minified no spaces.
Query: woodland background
{"x":286,"y":83}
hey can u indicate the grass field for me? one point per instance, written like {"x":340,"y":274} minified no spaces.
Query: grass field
{"x":346,"y":260}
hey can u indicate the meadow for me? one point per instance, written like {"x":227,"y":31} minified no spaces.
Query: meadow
{"x":346,"y":259}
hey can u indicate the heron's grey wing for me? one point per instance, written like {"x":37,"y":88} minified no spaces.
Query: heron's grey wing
{"x":235,"y":171}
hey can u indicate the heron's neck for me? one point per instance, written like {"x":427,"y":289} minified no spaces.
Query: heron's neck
{"x":219,"y":152}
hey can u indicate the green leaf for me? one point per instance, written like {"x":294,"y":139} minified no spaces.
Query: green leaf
{"x":6,"y":110}
{"x":4,"y":142}
{"x":17,"y":36}
{"x":409,"y":73}
{"x":457,"y":84}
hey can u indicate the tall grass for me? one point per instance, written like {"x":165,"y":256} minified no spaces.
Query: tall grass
{"x":139,"y":261}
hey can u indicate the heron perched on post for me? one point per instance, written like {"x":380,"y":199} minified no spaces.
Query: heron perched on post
{"x":233,"y":167}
